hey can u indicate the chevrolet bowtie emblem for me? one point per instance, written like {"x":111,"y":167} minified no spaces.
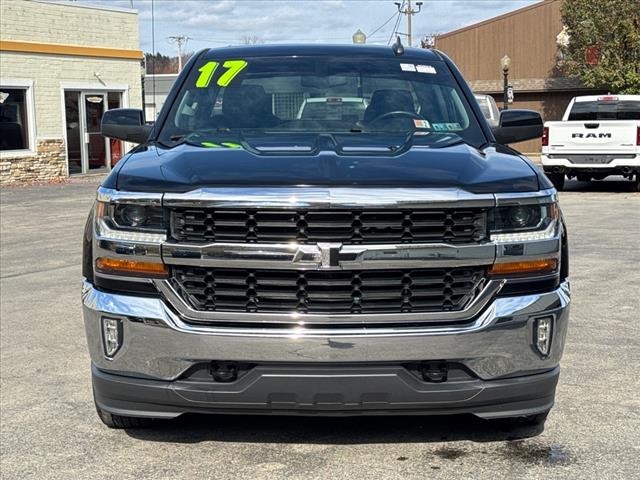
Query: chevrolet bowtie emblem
{"x":323,"y":256}
{"x":329,"y":253}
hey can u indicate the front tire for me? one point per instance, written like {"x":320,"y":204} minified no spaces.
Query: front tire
{"x":557,"y":179}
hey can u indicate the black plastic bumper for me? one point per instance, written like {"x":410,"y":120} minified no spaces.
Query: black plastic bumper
{"x":326,"y":390}
{"x":585,"y":169}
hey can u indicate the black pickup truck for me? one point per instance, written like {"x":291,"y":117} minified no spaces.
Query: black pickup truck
{"x":383,"y":252}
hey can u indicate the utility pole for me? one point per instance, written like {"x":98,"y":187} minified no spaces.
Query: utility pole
{"x":180,"y":40}
{"x":409,"y":12}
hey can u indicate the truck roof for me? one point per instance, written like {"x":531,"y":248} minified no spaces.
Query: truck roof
{"x":323,"y":49}
{"x":595,"y":98}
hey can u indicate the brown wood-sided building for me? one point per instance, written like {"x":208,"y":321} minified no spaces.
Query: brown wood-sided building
{"x":529,"y":36}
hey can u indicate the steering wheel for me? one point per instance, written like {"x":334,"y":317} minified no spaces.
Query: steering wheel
{"x":397,"y":113}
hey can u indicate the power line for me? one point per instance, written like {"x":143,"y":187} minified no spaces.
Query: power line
{"x":382,"y":26}
{"x":395,"y":26}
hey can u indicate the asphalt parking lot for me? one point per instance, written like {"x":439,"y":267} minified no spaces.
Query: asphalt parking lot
{"x":49,"y":428}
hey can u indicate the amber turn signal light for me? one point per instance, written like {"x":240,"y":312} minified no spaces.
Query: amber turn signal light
{"x":546,"y":265}
{"x":116,"y":266}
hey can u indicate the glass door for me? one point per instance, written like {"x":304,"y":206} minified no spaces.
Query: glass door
{"x":74,"y":131}
{"x":95,"y":148}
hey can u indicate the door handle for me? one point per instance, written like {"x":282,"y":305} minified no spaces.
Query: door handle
{"x":591,"y":125}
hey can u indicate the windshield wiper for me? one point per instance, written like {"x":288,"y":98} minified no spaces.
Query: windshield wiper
{"x":176,"y":140}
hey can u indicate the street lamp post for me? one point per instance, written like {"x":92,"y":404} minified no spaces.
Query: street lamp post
{"x":506,"y":63}
{"x":143,"y":74}
{"x":359,"y":37}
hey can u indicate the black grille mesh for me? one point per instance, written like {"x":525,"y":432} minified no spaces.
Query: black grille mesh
{"x":335,"y":292}
{"x":345,"y":226}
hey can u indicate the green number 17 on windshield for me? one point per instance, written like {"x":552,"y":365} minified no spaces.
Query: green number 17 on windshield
{"x":233,"y":68}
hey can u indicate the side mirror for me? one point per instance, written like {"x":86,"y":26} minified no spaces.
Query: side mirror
{"x":517,"y":126}
{"x":125,"y":124}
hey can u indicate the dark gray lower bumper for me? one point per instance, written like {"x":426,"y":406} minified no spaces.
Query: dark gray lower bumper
{"x":326,"y":390}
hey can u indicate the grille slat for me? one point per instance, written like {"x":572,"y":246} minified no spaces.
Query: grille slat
{"x":455,"y":226}
{"x":337,"y":292}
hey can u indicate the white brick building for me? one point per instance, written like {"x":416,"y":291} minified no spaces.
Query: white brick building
{"x":61,"y":66}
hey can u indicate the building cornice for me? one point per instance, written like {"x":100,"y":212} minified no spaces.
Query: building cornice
{"x":22,"y":46}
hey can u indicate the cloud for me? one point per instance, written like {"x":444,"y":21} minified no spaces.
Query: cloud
{"x":222,"y":22}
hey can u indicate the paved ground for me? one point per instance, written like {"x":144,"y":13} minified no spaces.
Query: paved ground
{"x":49,"y":429}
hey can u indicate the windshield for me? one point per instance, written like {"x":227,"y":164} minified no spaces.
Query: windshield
{"x":322,"y":95}
{"x":605,"y":110}
{"x":483,"y":103}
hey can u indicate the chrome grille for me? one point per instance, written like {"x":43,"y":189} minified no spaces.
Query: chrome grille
{"x":455,"y":226}
{"x":335,"y":292}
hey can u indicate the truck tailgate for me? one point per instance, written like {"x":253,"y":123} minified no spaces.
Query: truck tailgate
{"x":598,"y":136}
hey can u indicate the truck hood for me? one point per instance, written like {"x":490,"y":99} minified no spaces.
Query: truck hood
{"x":187,"y":167}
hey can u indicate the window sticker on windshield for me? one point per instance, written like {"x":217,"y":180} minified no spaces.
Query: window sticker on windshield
{"x":210,"y":145}
{"x":425,"y":69}
{"x":446,"y":127}
{"x":233,"y":68}
{"x":421,"y":123}
{"x":410,"y":67}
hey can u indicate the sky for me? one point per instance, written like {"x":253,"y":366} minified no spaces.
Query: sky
{"x":211,"y":23}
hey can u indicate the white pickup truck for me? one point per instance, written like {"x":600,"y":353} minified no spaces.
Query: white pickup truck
{"x":597,"y":137}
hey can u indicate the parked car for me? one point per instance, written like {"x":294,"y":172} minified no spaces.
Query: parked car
{"x":241,"y":262}
{"x":599,"y":135}
{"x":488,"y":108}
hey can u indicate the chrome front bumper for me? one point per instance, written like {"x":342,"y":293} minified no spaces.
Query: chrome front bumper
{"x":159,"y":345}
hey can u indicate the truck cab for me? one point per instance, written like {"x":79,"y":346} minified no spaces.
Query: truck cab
{"x":246,"y":259}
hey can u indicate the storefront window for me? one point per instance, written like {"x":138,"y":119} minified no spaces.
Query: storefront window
{"x":14,"y":131}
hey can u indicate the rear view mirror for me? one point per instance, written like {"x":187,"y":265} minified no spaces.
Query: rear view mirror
{"x":517,"y":126}
{"x":323,"y":83}
{"x":125,"y":124}
{"x":320,"y":83}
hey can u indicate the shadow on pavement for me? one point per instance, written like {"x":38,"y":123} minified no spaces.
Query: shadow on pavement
{"x":331,"y":430}
{"x":614,"y":185}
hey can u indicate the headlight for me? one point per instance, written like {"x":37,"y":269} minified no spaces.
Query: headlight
{"x":131,"y":222}
{"x":140,"y":217}
{"x":517,"y":223}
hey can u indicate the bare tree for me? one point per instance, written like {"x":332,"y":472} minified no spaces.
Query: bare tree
{"x":251,"y":39}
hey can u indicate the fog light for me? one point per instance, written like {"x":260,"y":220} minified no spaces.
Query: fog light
{"x":111,"y":335}
{"x":542,"y":333}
